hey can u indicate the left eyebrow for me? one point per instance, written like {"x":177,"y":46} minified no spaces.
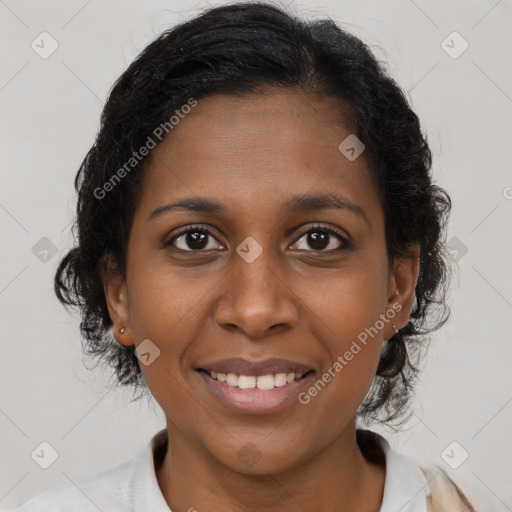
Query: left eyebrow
{"x":305,"y":202}
{"x":297,"y":203}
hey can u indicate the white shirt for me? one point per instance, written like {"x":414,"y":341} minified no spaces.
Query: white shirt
{"x":133,"y":487}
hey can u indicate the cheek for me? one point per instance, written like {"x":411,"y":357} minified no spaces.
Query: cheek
{"x":170,"y":310}
{"x":347,"y":301}
{"x":345,"y":324}
{"x":345,"y":315}
{"x":160,"y":313}
{"x":162,"y":303}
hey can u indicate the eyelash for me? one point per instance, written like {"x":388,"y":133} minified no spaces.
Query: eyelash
{"x":345,"y":244}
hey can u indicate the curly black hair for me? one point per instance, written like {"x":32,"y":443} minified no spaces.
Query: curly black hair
{"x":238,"y":49}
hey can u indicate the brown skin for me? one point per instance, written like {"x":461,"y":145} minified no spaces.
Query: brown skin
{"x":293,"y":302}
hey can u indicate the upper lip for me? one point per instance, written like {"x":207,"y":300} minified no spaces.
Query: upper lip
{"x":240,"y":366}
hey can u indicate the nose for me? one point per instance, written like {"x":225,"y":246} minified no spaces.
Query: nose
{"x":257,"y":298}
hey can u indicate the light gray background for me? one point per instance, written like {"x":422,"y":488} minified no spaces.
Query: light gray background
{"x":50,"y":111}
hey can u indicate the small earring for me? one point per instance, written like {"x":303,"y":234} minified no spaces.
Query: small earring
{"x":399,"y":338}
{"x":122,"y":330}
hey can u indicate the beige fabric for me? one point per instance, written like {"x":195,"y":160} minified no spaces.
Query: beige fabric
{"x":445,"y":495}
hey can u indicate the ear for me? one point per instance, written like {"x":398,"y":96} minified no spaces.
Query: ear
{"x":116,"y":296}
{"x":401,"y":289}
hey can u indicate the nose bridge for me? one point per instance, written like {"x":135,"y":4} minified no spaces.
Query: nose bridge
{"x":255,"y":267}
{"x":254,"y":297}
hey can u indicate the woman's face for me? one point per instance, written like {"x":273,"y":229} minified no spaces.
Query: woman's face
{"x":294,"y":268}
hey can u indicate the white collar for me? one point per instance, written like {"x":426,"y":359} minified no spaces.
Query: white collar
{"x":406,"y":488}
{"x":146,"y":492}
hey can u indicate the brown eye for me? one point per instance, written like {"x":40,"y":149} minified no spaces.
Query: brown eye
{"x":322,"y":239}
{"x":194,"y":239}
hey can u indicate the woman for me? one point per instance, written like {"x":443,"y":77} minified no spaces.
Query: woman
{"x":260,"y":246}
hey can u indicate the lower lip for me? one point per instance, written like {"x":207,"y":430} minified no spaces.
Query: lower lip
{"x":255,"y":401}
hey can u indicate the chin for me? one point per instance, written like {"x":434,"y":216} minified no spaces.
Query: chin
{"x":250,"y":459}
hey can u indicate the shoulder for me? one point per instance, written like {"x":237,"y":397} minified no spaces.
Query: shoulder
{"x":426,"y":488}
{"x":445,"y":494}
{"x":108,"y":490}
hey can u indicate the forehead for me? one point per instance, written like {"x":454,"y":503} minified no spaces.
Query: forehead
{"x":255,"y":151}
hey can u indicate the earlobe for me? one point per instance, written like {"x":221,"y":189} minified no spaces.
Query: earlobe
{"x":123,"y":336}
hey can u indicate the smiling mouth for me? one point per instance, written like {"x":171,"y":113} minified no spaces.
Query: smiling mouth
{"x":261,"y":382}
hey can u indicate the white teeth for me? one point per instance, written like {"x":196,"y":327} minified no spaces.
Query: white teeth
{"x":279,"y":379}
{"x":260,"y":382}
{"x":246,"y":382}
{"x":232,"y":379}
{"x":266,"y":382}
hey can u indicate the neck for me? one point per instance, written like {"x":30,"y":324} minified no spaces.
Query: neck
{"x":336,"y":479}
